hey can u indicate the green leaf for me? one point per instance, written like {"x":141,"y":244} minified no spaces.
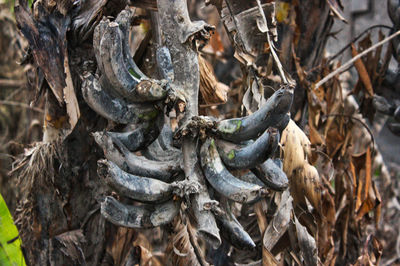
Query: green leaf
{"x":10,"y":243}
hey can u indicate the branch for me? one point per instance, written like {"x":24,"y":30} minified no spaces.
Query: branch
{"x":350,"y":62}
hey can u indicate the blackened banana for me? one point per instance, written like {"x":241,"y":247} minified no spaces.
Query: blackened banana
{"x":252,"y":178}
{"x":124,"y":20}
{"x":155,"y":152}
{"x":271,"y":114}
{"x":113,"y":108}
{"x":135,"y":187}
{"x":116,"y":152}
{"x":141,"y":216}
{"x":239,"y":157}
{"x":166,"y":138}
{"x":142,"y":136}
{"x":271,"y":173}
{"x":161,"y":149}
{"x":97,"y":36}
{"x":232,"y":230}
{"x":222,"y":180}
{"x":125,"y":80}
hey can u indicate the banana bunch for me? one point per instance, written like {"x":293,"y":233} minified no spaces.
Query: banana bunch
{"x":120,"y":92}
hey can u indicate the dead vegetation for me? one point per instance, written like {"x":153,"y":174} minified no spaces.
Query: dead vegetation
{"x":340,"y":204}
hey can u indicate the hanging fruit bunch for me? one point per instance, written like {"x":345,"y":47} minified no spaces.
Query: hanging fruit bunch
{"x":164,"y":174}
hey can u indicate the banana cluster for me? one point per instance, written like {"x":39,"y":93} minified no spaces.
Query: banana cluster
{"x":120,"y":92}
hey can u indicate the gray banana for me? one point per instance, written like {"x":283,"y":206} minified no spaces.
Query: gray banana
{"x":272,"y":114}
{"x":231,"y":229}
{"x":113,"y":108}
{"x":139,"y":188}
{"x":140,"y":216}
{"x":271,"y":173}
{"x":142,"y":136}
{"x":245,"y":157}
{"x":116,"y":152}
{"x":222,"y":180}
{"x":123,"y":78}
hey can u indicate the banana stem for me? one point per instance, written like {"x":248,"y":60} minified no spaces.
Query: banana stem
{"x":175,"y":27}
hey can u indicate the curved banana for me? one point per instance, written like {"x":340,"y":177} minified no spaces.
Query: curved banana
{"x":231,"y":229}
{"x":252,"y":178}
{"x":141,"y":137}
{"x":238,"y":157}
{"x":135,"y":187}
{"x":166,"y":138}
{"x":161,"y":149}
{"x":113,"y":108}
{"x":141,"y":216}
{"x":271,"y":114}
{"x":222,"y":180}
{"x":125,"y":80}
{"x":124,"y":20}
{"x":97,"y":36}
{"x":116,"y":152}
{"x":270,"y":172}
{"x":155,"y":152}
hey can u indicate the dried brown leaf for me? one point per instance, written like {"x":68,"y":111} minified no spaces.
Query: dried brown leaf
{"x":362,"y":72}
{"x":181,"y":249}
{"x":212,"y":91}
{"x":307,"y":244}
{"x":71,"y":244}
{"x":280,"y":223}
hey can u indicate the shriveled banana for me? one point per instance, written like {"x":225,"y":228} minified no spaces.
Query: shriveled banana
{"x":113,"y":108}
{"x":271,"y":173}
{"x":222,"y":180}
{"x":116,"y":152}
{"x":135,"y":187}
{"x":246,"y":157}
{"x":232,"y":230}
{"x":142,"y":136}
{"x":140,"y":216}
{"x":123,"y":77}
{"x":272,"y":114}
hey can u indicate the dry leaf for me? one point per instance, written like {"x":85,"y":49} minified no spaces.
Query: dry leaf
{"x":180,"y":250}
{"x":307,"y":244}
{"x":71,"y":245}
{"x":280,"y":223}
{"x":362,"y":72}
{"x":212,"y":91}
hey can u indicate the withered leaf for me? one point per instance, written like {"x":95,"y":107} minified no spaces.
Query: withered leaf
{"x":280,"y":223}
{"x":362,"y":72}
{"x":307,"y":244}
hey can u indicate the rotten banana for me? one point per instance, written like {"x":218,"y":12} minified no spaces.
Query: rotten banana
{"x":123,"y":78}
{"x":232,"y":230}
{"x":140,"y":216}
{"x":139,"y":188}
{"x":161,"y":149}
{"x":271,"y":173}
{"x":222,"y":180}
{"x":239,"y":157}
{"x":113,"y":108}
{"x":271,"y":114}
{"x":142,"y":136}
{"x":116,"y":152}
